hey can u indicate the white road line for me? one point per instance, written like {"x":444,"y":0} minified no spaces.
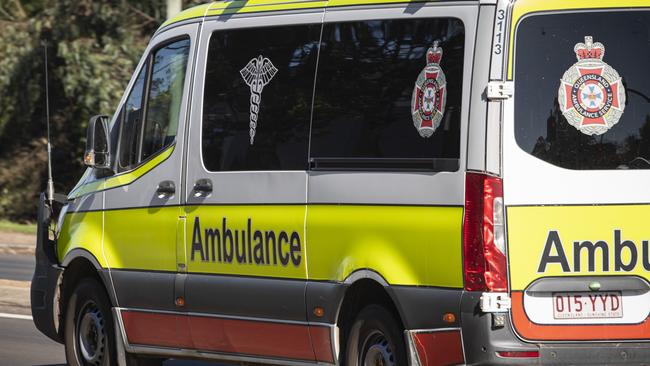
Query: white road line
{"x":15,"y":316}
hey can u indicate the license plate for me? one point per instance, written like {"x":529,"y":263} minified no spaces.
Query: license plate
{"x":587,"y":305}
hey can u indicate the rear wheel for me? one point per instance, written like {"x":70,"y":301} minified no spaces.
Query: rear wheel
{"x":375,"y":339}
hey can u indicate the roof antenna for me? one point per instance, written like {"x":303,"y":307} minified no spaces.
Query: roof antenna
{"x":50,"y":181}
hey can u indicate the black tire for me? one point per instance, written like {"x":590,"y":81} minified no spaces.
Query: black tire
{"x":89,"y":331}
{"x":375,"y":338}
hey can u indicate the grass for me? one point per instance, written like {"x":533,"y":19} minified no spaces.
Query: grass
{"x":12,"y":227}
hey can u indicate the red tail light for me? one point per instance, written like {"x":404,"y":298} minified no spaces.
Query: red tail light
{"x":484,"y":234}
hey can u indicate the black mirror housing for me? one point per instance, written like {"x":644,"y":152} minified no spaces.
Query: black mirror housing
{"x":97,"y":153}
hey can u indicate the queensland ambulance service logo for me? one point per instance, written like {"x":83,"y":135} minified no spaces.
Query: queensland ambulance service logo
{"x":429,"y":94}
{"x":591,"y":94}
{"x":257,"y":73}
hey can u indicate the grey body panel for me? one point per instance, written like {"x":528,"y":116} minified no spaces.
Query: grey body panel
{"x":476,"y":143}
{"x":423,"y":307}
{"x":498,"y":63}
{"x":493,"y":138}
{"x":594,"y":354}
{"x":89,"y":202}
{"x":242,"y":188}
{"x":327,"y":295}
{"x":271,"y":298}
{"x":438,"y":189}
{"x":144,"y":289}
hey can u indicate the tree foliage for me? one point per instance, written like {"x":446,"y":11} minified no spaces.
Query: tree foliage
{"x":93,"y":48}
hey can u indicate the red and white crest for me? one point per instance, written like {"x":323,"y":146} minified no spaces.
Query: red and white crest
{"x":591,"y":94}
{"x":430,"y":94}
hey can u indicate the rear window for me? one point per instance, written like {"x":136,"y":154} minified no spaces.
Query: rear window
{"x":583,"y":89}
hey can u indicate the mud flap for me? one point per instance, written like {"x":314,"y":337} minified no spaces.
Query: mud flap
{"x":46,"y":277}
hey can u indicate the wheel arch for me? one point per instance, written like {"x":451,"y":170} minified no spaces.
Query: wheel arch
{"x":80,"y":264}
{"x":365,"y":287}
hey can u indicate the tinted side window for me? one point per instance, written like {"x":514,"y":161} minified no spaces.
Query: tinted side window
{"x":165,"y":94}
{"x":365,"y":87}
{"x":257,"y":98}
{"x":132,"y":123}
{"x":140,"y":140}
{"x":547,"y":69}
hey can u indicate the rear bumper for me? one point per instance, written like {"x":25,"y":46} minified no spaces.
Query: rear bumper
{"x":595,"y":354}
{"x":482,"y":341}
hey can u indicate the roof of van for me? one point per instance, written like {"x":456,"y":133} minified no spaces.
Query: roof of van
{"x":225,"y":7}
{"x":531,"y":6}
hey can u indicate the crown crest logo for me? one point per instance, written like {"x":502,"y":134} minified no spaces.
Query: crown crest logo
{"x":434,"y":54}
{"x":589,"y":49}
{"x":429,"y":94}
{"x":591,"y":93}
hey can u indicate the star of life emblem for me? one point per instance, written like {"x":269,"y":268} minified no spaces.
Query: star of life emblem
{"x":591,"y":93}
{"x":429,"y":94}
{"x":257,"y":73}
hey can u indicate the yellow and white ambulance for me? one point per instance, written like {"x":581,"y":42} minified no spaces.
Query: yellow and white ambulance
{"x":379,"y":182}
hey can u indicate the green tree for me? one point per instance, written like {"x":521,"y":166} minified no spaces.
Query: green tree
{"x":93,"y":48}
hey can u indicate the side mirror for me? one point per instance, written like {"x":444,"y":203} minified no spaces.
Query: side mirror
{"x":97,"y":152}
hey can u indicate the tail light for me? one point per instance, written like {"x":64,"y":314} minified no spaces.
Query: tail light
{"x":484,"y":246}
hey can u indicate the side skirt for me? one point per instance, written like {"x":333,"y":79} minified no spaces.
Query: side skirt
{"x":149,"y":336}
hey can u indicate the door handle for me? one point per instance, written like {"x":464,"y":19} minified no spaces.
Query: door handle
{"x":166,"y":188}
{"x":202,"y":188}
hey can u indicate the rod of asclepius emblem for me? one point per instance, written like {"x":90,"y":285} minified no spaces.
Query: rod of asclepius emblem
{"x":257,"y":74}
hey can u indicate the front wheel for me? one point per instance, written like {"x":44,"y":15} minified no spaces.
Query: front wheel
{"x":375,"y":339}
{"x":89,"y":331}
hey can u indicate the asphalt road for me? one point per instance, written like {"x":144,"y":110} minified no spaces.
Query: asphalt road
{"x":23,"y":345}
{"x":16,"y":267}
